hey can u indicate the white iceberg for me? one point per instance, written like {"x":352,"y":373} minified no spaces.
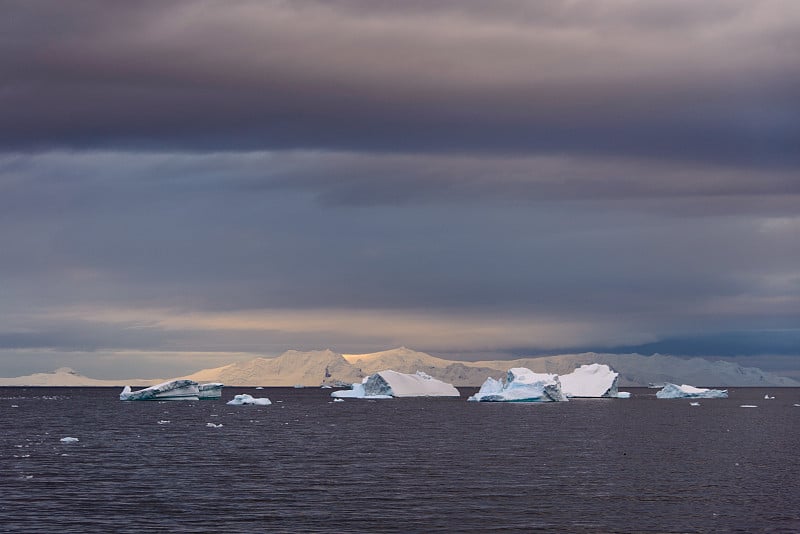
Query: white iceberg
{"x":593,"y":380}
{"x":210,"y":391}
{"x":623,"y":394}
{"x":521,"y":385}
{"x":684,"y":391}
{"x":389,"y":384}
{"x":171,"y":390}
{"x":244,"y":398}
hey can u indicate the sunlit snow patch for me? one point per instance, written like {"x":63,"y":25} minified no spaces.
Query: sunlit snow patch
{"x":171,"y":390}
{"x":244,"y":398}
{"x":684,"y":391}
{"x":593,"y":380}
{"x":521,"y":385}
{"x":389,"y":384}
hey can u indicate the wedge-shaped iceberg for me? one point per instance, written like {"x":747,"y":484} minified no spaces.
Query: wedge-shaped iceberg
{"x":521,"y":385}
{"x":244,"y":398}
{"x":594,"y":380}
{"x":672,"y":391}
{"x":210,"y":391}
{"x":171,"y":390}
{"x":388,"y":384}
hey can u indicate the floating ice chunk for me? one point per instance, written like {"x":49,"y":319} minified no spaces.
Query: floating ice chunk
{"x":748,"y":406}
{"x":69,"y":440}
{"x":244,"y":398}
{"x":767,"y":397}
{"x":684,"y":391}
{"x":170,"y":390}
{"x":163,"y":422}
{"x":521,"y":385}
{"x":259,"y":387}
{"x":797,"y":405}
{"x":213,"y":425}
{"x":594,"y":380}
{"x":338,"y":400}
{"x":694,"y":404}
{"x":623,"y":394}
{"x":388,"y":384}
{"x":14,"y":406}
{"x":210,"y":391}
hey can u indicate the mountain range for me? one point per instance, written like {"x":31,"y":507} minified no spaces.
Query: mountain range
{"x":314,"y":368}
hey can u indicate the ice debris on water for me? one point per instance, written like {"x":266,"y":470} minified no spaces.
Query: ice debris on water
{"x":69,"y":440}
{"x":163,"y":422}
{"x":213,"y":425}
{"x":748,"y":406}
{"x":694,"y":404}
{"x":685,"y":391}
{"x":244,"y":398}
{"x":767,"y":397}
{"x":338,"y":400}
{"x":171,"y":390}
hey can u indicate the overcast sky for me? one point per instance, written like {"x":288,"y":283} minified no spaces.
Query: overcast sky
{"x":188,"y":183}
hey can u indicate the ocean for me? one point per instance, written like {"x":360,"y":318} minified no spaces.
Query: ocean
{"x":305,"y":464}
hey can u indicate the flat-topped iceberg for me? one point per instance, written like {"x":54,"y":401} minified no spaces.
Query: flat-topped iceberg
{"x":684,"y":391}
{"x":388,"y":384}
{"x":210,"y":391}
{"x":170,"y":390}
{"x":593,"y":380}
{"x":521,"y":385}
{"x":245,"y":399}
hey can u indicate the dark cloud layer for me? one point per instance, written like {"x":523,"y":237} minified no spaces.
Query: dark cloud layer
{"x":462,"y":176}
{"x":717,"y":81}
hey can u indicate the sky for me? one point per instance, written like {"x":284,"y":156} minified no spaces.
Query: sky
{"x":184,"y":184}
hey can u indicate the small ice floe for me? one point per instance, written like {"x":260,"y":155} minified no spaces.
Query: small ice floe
{"x":163,"y":422}
{"x":14,"y":406}
{"x":767,"y":397}
{"x":797,"y":405}
{"x":244,"y":398}
{"x":748,"y":406}
{"x":69,"y":440}
{"x":26,"y":477}
{"x":338,"y":400}
{"x":694,"y":404}
{"x":259,"y":387}
{"x":623,"y":394}
{"x":213,"y":425}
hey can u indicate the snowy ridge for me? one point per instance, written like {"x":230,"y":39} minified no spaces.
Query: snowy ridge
{"x":314,"y":368}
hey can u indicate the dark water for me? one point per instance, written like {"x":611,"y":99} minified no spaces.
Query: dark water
{"x":402,"y":465}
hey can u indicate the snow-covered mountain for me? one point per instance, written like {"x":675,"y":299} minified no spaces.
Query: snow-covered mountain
{"x":290,"y":368}
{"x":65,"y":376}
{"x":328,"y":367}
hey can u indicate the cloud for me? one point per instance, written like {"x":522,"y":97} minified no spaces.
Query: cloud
{"x":712,"y":82}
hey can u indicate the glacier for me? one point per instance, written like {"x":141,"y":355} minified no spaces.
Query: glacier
{"x":521,"y":385}
{"x":210,"y":391}
{"x":388,"y":384}
{"x":170,"y":390}
{"x":244,"y":398}
{"x":684,"y":391}
{"x":591,"y":380}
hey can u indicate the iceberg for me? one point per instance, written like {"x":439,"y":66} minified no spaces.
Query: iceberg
{"x":171,"y":390}
{"x":593,"y":380}
{"x":623,"y":394}
{"x":69,"y":440}
{"x":389,"y":384}
{"x":244,"y":398}
{"x":521,"y":385}
{"x":210,"y":391}
{"x":684,"y":391}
